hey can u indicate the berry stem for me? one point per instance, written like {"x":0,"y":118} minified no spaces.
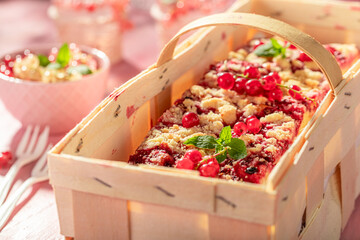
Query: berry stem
{"x":299,"y":92}
{"x":205,"y":159}
{"x":242,"y":75}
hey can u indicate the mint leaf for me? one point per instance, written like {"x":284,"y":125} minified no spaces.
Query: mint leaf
{"x":237,"y":149}
{"x":275,"y":43}
{"x":54,"y":65}
{"x":64,"y":55}
{"x":220,"y":158}
{"x":82,"y":69}
{"x":225,"y":135}
{"x":43,"y":60}
{"x":206,"y":142}
{"x":270,"y":49}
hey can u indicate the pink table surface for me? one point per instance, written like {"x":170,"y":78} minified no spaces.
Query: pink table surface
{"x":24,"y":23}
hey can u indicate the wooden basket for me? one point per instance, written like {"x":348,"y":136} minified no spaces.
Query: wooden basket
{"x":310,"y":192}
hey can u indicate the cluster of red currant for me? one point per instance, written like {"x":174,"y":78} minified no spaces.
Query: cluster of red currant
{"x":252,"y":125}
{"x":6,"y":66}
{"x":208,"y":167}
{"x":7,"y":63}
{"x":253,"y":84}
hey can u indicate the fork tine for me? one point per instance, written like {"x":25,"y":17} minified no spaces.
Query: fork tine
{"x":42,"y":161}
{"x":33,"y":139}
{"x":24,"y":140}
{"x":41,"y":144}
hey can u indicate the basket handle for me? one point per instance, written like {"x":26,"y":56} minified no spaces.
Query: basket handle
{"x":304,"y":42}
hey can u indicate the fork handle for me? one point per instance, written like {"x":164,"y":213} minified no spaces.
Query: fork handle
{"x":7,"y":181}
{"x":7,"y":208}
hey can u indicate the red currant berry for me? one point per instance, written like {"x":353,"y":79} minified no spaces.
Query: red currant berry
{"x":304,"y":58}
{"x":257,"y":44}
{"x":7,"y":59}
{"x":210,"y":169}
{"x":269,"y":83}
{"x":3,"y":67}
{"x":6,"y":70}
{"x":190,"y":119}
{"x":5,"y":158}
{"x":26,"y":52}
{"x":253,"y":124}
{"x":276,"y":76}
{"x":194,"y":155}
{"x":239,"y":85}
{"x":275,"y":94}
{"x":296,"y":95}
{"x":251,"y":72}
{"x":240,"y":128}
{"x":226,"y":80}
{"x":185,"y":163}
{"x":253,"y":87}
{"x":290,"y":45}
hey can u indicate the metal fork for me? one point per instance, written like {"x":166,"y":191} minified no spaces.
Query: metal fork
{"x":38,"y":174}
{"x":26,"y":152}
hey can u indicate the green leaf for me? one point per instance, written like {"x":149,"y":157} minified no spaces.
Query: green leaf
{"x":220,"y":158}
{"x":225,"y":135}
{"x":270,"y":49}
{"x":237,"y":149}
{"x":64,"y":55}
{"x":43,"y":60}
{"x":206,"y":142}
{"x":275,"y":43}
{"x":54,"y":65}
{"x":82,"y":69}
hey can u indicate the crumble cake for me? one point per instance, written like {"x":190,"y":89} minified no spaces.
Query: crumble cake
{"x":243,"y":114}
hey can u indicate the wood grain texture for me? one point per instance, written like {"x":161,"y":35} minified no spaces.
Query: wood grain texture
{"x":227,"y":228}
{"x":327,"y":222}
{"x":99,"y":217}
{"x":150,"y":221}
{"x":348,"y":185}
{"x":315,"y":187}
{"x":65,"y":208}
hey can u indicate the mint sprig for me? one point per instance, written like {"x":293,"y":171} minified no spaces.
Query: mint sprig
{"x":224,"y":145}
{"x":43,"y":60}
{"x":82,"y":69}
{"x":271,"y":49}
{"x":64,"y":55}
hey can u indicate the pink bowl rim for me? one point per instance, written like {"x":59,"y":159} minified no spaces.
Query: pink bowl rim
{"x":103,"y":59}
